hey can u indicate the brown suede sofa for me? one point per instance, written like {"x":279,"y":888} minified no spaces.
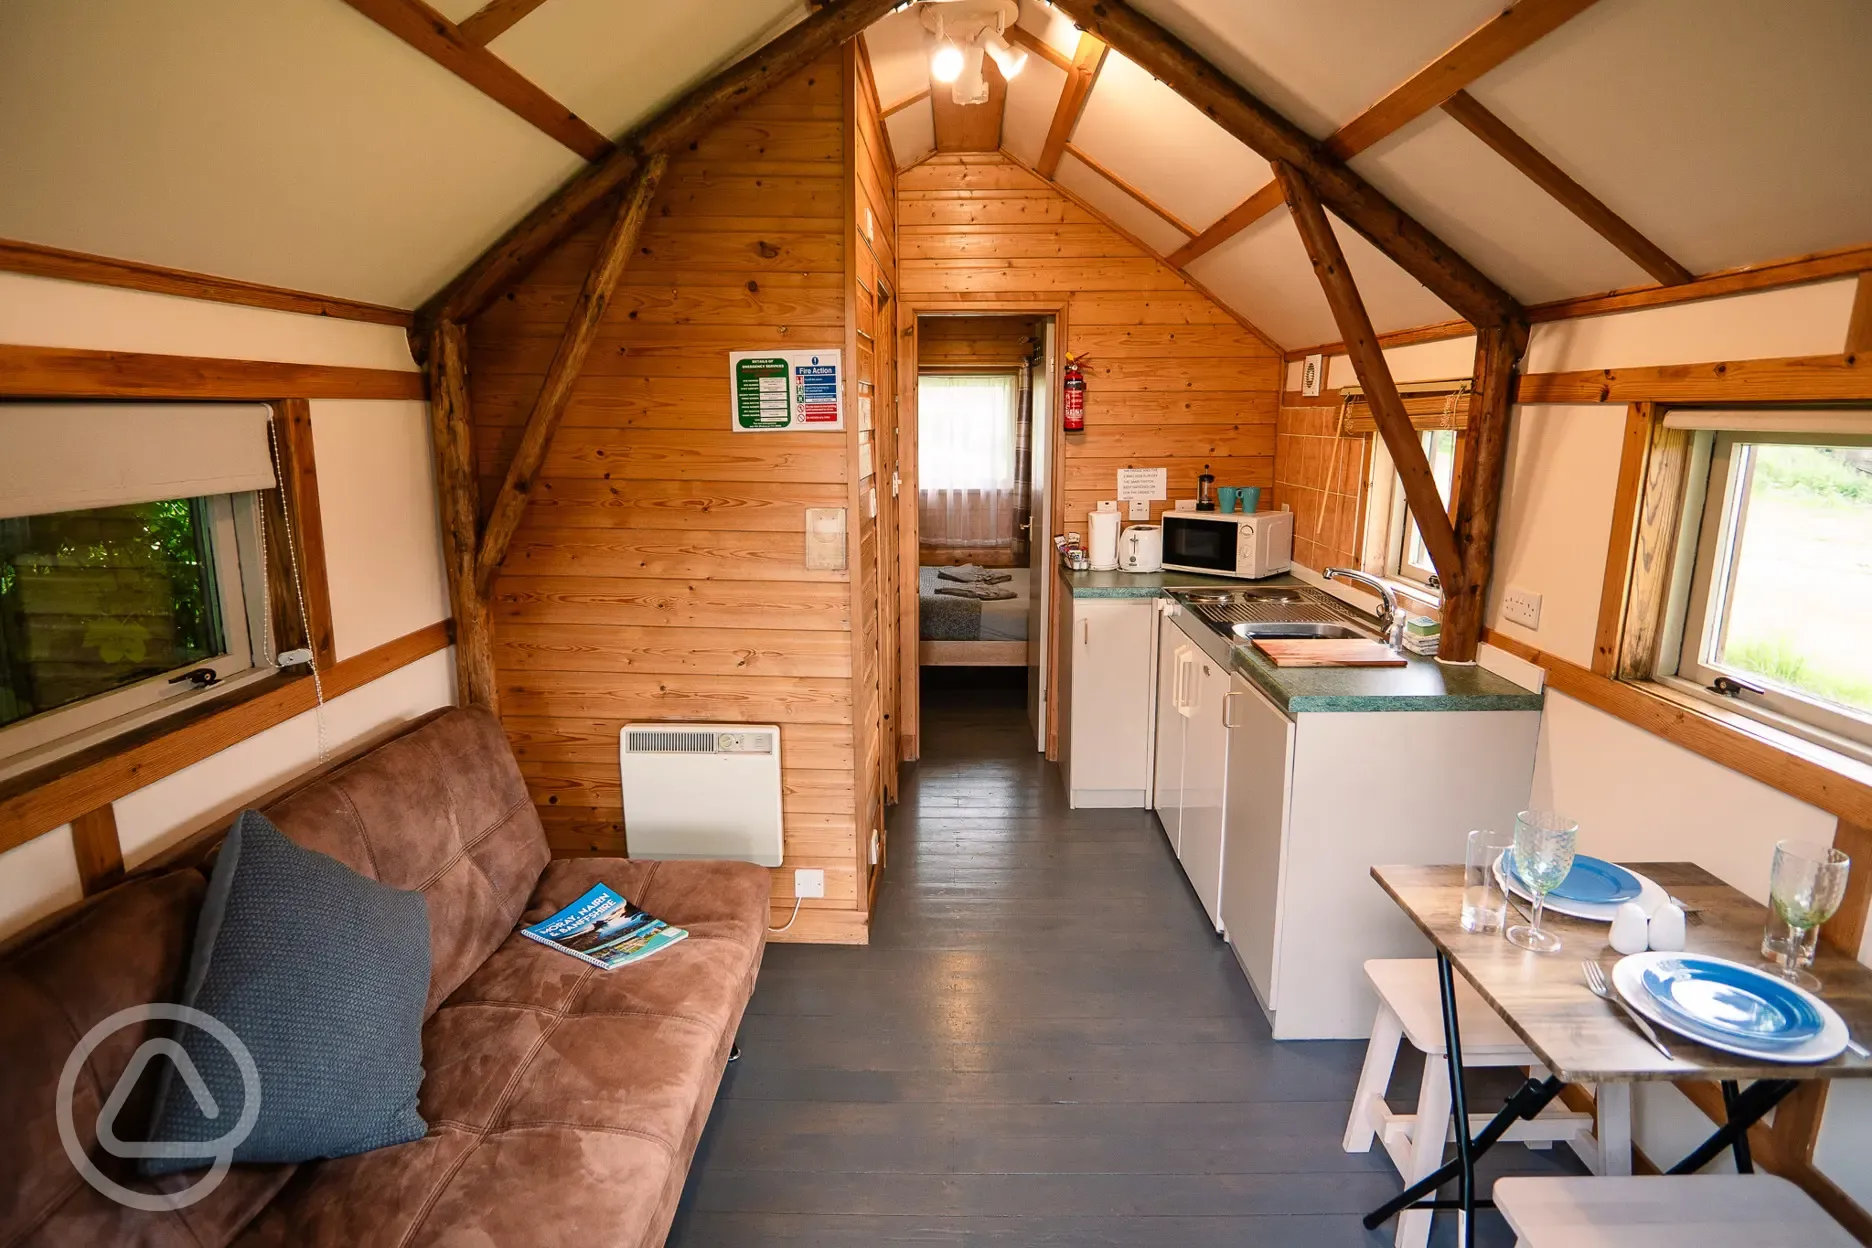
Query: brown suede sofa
{"x":564,"y":1103}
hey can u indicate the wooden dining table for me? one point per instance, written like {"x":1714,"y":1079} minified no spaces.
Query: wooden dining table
{"x":1582,"y":1039}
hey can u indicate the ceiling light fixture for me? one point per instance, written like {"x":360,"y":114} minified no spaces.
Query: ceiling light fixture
{"x":946,"y":64}
{"x":962,"y":33}
{"x":1010,"y":58}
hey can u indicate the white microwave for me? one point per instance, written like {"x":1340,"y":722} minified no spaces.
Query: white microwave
{"x":1228,"y":543}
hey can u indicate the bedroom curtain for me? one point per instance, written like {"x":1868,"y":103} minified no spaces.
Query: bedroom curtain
{"x":967,"y":428}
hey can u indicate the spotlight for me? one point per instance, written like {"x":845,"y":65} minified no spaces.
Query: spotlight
{"x":946,"y":64}
{"x":1010,"y":58}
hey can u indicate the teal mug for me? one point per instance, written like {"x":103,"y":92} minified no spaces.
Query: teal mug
{"x":1250,"y":496}
{"x":1227,"y":494}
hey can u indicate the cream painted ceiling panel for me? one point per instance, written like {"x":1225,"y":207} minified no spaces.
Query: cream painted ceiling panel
{"x":293,"y":142}
{"x":912,"y":133}
{"x":1124,"y":211}
{"x":1032,"y":98}
{"x":457,"y":11}
{"x":1264,"y":274}
{"x":615,"y":64}
{"x":899,"y":56}
{"x":1050,"y":24}
{"x":1321,"y":62}
{"x":1727,"y":131}
{"x":1160,"y":143}
{"x":1485,"y":208}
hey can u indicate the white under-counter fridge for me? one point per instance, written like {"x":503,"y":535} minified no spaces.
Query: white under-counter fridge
{"x":1303,"y":805}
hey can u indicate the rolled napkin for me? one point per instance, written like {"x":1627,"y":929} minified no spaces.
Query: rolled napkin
{"x":969,"y":574}
{"x":1667,"y":928}
{"x":1630,"y":929}
{"x":980,"y":593}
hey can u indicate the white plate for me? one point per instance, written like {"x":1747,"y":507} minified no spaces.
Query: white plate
{"x":1652,"y":897}
{"x":1628,"y":979}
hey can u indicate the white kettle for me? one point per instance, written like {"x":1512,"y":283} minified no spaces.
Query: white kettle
{"x":1140,"y":548}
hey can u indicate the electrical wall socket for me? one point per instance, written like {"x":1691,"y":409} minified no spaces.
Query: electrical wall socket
{"x":809,"y":882}
{"x":1519,"y":606}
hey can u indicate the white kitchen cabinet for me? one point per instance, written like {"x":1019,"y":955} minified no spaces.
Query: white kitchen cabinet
{"x":1109,"y":699}
{"x":1205,"y":771}
{"x":1260,"y":756}
{"x":1175,"y":653}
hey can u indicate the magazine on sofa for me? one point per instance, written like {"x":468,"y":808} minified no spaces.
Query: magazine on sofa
{"x":605,"y":930}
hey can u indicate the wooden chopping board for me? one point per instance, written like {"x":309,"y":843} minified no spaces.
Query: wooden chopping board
{"x":1328,"y":652}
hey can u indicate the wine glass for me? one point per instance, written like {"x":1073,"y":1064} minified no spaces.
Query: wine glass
{"x":1805,"y":888}
{"x":1543,"y":855}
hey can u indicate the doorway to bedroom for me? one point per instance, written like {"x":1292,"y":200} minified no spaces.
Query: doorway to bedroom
{"x":979,"y":502}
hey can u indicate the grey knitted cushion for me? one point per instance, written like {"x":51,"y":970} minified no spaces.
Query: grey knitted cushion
{"x":322,"y":975}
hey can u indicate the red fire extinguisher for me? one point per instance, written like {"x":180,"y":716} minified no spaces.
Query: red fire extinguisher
{"x":1075,"y":388}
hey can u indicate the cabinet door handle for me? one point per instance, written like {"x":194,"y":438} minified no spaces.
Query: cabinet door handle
{"x":1085,"y":632}
{"x":1228,"y":708}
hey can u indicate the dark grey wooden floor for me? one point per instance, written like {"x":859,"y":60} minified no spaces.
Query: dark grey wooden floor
{"x":1044,"y":1044}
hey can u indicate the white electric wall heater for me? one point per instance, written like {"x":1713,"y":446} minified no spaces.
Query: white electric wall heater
{"x":702,"y":791}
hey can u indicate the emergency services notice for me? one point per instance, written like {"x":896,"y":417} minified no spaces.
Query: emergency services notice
{"x":776,"y":390}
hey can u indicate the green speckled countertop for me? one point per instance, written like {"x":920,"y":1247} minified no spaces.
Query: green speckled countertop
{"x":1421,"y":685}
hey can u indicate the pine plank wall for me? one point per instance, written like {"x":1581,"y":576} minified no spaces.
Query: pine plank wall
{"x":660,"y":570}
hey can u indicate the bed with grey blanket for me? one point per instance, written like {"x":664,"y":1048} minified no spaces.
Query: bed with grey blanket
{"x":949,"y":617}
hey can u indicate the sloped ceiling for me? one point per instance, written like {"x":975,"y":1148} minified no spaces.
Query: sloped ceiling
{"x":297,"y":143}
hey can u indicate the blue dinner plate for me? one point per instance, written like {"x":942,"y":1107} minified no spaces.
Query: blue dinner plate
{"x":1713,"y":997}
{"x":1592,"y":880}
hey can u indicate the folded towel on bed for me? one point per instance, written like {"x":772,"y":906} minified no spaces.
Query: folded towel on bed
{"x":980,"y":593}
{"x":969,"y":574}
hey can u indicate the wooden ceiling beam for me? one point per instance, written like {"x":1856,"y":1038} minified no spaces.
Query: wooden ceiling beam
{"x":495,"y":19}
{"x":1087,"y":60}
{"x":1394,"y":424}
{"x":900,"y":105}
{"x":1039,"y":47}
{"x":560,"y":213}
{"x":1576,"y":199}
{"x":1502,"y":36}
{"x":562,"y":375}
{"x":439,"y":39}
{"x":1509,"y":32}
{"x":1478,"y":505}
{"x":451,"y":440}
{"x":1169,"y":217}
{"x":1473,"y":295}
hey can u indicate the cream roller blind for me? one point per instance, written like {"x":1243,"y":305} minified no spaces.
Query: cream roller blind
{"x":1854,"y":422}
{"x":1429,"y":404}
{"x":70,"y":456}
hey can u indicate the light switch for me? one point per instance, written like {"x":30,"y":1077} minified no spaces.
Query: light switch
{"x":1140,"y":509}
{"x":825,"y":539}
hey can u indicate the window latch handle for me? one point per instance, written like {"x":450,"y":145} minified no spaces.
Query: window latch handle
{"x":201,"y":677}
{"x":1730,"y":687}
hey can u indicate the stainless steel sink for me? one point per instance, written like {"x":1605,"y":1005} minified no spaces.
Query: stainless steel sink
{"x":1289,"y":628}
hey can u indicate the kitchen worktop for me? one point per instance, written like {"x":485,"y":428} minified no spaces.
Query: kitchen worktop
{"x":1422,"y":684}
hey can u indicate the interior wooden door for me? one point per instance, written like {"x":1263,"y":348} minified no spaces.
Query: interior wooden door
{"x":886,"y":439}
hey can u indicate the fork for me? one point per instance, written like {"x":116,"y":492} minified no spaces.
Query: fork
{"x":1596,"y":981}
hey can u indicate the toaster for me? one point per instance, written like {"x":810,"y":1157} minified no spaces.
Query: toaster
{"x":1140,"y":548}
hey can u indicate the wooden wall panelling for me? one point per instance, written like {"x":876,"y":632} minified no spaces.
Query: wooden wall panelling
{"x":37,"y":260}
{"x":587,"y":313}
{"x":99,"y":853}
{"x":298,"y":582}
{"x":658,"y":571}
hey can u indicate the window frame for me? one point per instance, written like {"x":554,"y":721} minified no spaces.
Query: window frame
{"x":1704,"y":561}
{"x":1389,"y":558}
{"x":260,"y":561}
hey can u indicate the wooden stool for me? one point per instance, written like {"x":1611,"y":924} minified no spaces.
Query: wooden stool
{"x":1409,"y":1005}
{"x":1665,"y":1211}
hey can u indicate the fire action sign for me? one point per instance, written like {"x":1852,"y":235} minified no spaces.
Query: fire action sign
{"x":775,"y":390}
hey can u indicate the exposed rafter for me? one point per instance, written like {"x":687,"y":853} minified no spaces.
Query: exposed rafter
{"x":1087,"y":60}
{"x":495,"y":19}
{"x":1478,"y":506}
{"x":689,"y":116}
{"x":1575,"y":198}
{"x":1144,"y":200}
{"x":1473,"y":295}
{"x":451,"y":435}
{"x":902,"y":104}
{"x":1374,"y":374}
{"x":1039,"y":47}
{"x":1511,"y":31}
{"x":443,"y":42}
{"x":567,"y":362}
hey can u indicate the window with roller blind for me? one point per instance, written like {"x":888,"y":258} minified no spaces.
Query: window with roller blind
{"x":132,"y":565}
{"x":1439,"y":413}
